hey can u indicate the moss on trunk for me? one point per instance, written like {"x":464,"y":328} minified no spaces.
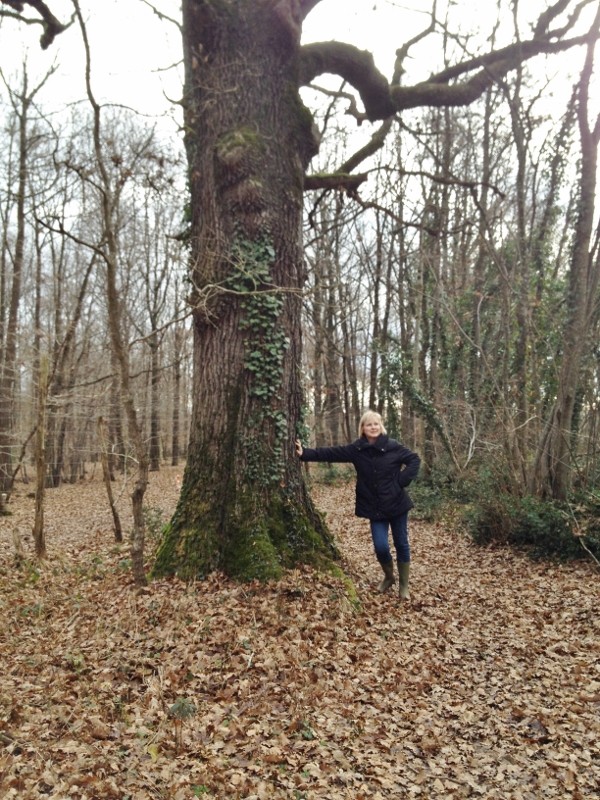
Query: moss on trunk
{"x":250,"y":541}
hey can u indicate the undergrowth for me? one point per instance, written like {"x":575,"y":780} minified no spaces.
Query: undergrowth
{"x":331,"y":474}
{"x":545,"y":528}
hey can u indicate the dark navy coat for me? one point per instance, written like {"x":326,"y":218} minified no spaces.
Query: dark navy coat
{"x":383,"y":471}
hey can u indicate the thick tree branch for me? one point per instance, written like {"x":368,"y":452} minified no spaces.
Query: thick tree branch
{"x":52,"y":26}
{"x":552,"y":12}
{"x":512,"y":54}
{"x":438,"y":92}
{"x":356,"y":66}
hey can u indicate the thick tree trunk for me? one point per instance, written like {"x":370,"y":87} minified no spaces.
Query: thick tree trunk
{"x":244,"y":507}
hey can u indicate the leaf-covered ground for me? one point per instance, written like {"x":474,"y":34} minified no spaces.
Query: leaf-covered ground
{"x":485,"y":685}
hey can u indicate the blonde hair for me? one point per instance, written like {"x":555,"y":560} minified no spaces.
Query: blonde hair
{"x":368,"y":415}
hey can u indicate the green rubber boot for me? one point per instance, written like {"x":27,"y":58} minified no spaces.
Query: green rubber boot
{"x":388,"y":581}
{"x":403,"y":570}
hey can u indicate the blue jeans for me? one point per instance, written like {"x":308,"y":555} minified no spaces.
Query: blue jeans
{"x":379,"y":532}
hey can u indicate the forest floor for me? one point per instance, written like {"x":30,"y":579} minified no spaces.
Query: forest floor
{"x":485,"y":685}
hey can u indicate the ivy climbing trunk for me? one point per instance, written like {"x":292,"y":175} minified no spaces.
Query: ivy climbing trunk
{"x":244,"y":508}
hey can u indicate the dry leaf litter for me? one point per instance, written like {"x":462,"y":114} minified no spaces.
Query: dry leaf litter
{"x":485,"y":685}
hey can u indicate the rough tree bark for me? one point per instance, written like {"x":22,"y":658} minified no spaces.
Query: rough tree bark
{"x":244,"y":507}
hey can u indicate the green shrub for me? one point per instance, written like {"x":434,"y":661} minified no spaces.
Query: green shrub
{"x":546,"y":528}
{"x":429,"y":501}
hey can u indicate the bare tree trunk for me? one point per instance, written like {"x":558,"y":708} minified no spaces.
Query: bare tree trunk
{"x":327,"y":317}
{"x":21,"y":102}
{"x":176,"y":419}
{"x":154,"y":445}
{"x":376,"y":289}
{"x":332,"y":366}
{"x":7,"y":374}
{"x":352,"y":409}
{"x":317,"y":304}
{"x":522,"y":289}
{"x":104,"y":444}
{"x":117,"y":453}
{"x":40,"y":460}
{"x":63,"y":381}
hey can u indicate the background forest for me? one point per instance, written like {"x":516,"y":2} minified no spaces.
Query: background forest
{"x":453,"y":287}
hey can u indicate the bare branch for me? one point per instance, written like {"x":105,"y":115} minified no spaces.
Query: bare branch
{"x":370,"y":148}
{"x":336,"y":180}
{"x":161,"y":15}
{"x":402,"y":52}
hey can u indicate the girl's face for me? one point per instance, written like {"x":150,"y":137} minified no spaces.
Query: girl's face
{"x":371,"y":427}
